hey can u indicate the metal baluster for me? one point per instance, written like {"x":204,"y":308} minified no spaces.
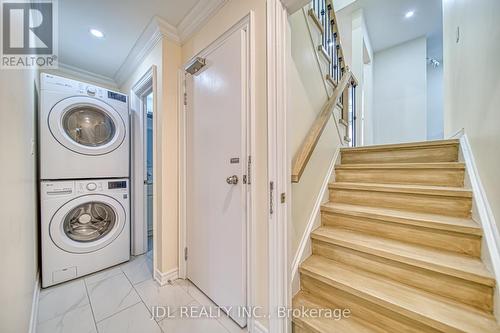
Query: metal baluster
{"x":323,"y":21}
{"x":353,"y":116}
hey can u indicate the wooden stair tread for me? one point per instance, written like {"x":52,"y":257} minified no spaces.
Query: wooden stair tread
{"x":450,"y":263}
{"x":327,"y":325}
{"x":443,"y":315}
{"x":409,"y":145}
{"x":411,"y":189}
{"x":437,"y":165}
{"x":434,"y":221}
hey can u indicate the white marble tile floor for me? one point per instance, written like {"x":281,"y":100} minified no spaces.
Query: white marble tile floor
{"x":120,"y":300}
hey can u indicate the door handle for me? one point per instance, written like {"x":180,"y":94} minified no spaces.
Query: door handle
{"x":232,"y":180}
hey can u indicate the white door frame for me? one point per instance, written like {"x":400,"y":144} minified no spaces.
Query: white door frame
{"x":246,"y":26}
{"x":139,"y":239}
{"x":279,"y":171}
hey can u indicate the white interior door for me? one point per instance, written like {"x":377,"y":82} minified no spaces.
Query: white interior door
{"x":215,"y":152}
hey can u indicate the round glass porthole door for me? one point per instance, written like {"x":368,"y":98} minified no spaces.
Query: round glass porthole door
{"x":87,"y":223}
{"x":87,"y":125}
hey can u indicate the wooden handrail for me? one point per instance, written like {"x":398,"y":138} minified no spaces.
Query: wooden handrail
{"x":305,"y":151}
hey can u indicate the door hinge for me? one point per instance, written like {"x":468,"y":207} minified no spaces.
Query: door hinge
{"x":283,"y":197}
{"x":185,"y":99}
{"x":185,"y":253}
{"x":271,"y":198}
{"x":249,"y":171}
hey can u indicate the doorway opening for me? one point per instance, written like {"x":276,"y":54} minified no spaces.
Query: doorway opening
{"x":148,"y":109}
{"x":143,"y":120}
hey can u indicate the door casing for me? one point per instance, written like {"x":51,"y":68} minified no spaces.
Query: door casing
{"x":139,"y":239}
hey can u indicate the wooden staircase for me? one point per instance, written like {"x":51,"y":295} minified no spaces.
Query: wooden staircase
{"x":397,"y":246}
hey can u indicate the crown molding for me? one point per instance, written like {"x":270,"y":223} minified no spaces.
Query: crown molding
{"x":198,"y":16}
{"x":156,"y":30}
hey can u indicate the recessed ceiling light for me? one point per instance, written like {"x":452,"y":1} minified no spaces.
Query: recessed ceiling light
{"x":409,"y":14}
{"x":96,"y":33}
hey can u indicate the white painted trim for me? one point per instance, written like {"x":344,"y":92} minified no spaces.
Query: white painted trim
{"x":181,"y":82}
{"x":247,"y":23}
{"x":158,"y":28}
{"x":315,"y":216}
{"x":138,"y":149}
{"x":34,"y":304}
{"x":165,"y":278}
{"x":155,"y":31}
{"x":87,"y":76}
{"x":258,"y":328}
{"x":481,"y":205}
{"x":197,"y":17}
{"x":278,"y":173}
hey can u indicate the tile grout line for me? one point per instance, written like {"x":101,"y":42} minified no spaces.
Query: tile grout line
{"x":140,"y":297}
{"x":107,"y":317}
{"x":90,"y":303}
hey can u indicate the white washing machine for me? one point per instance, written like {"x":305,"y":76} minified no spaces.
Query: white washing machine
{"x":85,"y":227}
{"x":84,"y":130}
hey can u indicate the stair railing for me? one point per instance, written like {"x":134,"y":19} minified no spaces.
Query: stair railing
{"x":344,"y":83}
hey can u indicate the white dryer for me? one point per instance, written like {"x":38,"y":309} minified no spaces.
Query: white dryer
{"x":85,"y":227}
{"x":84,"y":130}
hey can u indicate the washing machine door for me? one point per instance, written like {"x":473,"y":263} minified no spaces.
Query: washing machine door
{"x":86,"y":125}
{"x":87,"y":223}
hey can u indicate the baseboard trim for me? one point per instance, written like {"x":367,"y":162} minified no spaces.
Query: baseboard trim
{"x":483,"y":209}
{"x":258,"y":327}
{"x":34,"y":305}
{"x":164,"y":278}
{"x":313,"y":217}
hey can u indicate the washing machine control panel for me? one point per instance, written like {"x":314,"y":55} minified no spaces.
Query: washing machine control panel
{"x":96,"y":186}
{"x":58,"y":189}
{"x":91,"y":186}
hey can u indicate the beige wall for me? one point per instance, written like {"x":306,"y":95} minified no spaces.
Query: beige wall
{"x":472,"y":85}
{"x":19,"y":223}
{"x":166,"y":57}
{"x":232,"y":12}
{"x":306,"y":97}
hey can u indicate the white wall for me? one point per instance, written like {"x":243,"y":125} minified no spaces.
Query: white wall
{"x":306,"y":97}
{"x":435,"y":126}
{"x":19,"y":223}
{"x":400,"y":89}
{"x":367,"y":100}
{"x":472,"y":85}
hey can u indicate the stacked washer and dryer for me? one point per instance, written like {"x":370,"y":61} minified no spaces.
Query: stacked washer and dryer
{"x":84,"y":178}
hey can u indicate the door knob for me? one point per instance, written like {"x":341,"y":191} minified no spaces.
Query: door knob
{"x":232,"y":180}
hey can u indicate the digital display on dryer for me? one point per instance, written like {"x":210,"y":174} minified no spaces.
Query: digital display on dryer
{"x":115,"y":185}
{"x":117,"y":96}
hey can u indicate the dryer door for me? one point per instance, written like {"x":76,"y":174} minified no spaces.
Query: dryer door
{"x":87,"y":223}
{"x":86,"y":125}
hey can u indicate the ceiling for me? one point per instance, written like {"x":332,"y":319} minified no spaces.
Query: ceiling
{"x":387,"y":25}
{"x":121,"y":21}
